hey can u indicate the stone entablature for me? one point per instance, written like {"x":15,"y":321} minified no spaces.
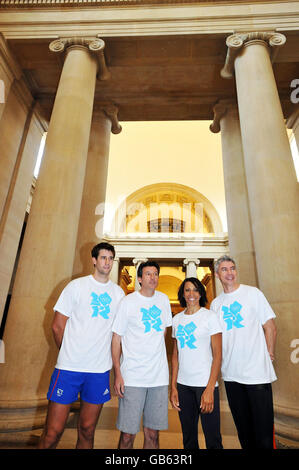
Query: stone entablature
{"x":68,"y":3}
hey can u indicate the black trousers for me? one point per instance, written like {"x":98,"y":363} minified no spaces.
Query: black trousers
{"x":252,"y":410}
{"x":189,"y":399}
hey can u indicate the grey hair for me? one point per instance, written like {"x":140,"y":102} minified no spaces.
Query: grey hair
{"x":221,"y":259}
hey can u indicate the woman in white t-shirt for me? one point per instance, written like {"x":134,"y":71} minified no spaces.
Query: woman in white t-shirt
{"x":196,"y":362}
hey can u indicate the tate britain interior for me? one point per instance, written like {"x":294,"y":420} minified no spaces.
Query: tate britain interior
{"x":168,"y":128}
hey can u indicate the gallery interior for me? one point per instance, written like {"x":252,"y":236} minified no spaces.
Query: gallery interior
{"x":169,"y":129}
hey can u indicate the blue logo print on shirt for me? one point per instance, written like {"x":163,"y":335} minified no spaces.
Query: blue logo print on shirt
{"x":231,"y":315}
{"x":185,"y":335}
{"x":100,"y":305}
{"x":151,"y":318}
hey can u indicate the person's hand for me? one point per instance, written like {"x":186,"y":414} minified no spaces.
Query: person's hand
{"x":174,"y":399}
{"x":272,"y":357}
{"x":207,"y":401}
{"x":119,"y":386}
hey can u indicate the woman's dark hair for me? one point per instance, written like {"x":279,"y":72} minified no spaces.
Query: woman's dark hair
{"x":199,"y":286}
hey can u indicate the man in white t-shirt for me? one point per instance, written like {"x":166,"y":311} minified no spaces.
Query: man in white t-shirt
{"x":82,"y":329}
{"x":140,"y":360}
{"x":248,"y":342}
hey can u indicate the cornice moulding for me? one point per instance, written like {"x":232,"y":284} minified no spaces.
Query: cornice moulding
{"x":119,"y":18}
{"x":118,"y":3}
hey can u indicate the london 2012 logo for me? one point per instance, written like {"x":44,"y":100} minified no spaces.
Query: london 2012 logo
{"x":100,"y":305}
{"x":185,"y":335}
{"x":151,"y":318}
{"x":232,"y":316}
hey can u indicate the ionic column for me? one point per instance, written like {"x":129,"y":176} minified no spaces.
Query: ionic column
{"x":46,"y":259}
{"x":17,"y":196}
{"x":226,"y":119}
{"x":137,"y":262}
{"x":274,"y":207}
{"x":191,"y":265}
{"x":104,"y":122}
{"x":114,"y":274}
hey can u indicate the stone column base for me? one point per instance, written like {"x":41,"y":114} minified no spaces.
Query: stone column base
{"x":20,"y":416}
{"x":286,"y":427}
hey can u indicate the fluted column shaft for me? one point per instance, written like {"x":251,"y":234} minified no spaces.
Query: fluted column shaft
{"x":226,"y":119}
{"x":274,"y":207}
{"x":94,"y":193}
{"x":46,"y":259}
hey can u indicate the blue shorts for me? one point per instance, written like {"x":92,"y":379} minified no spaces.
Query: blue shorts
{"x":65,"y":386}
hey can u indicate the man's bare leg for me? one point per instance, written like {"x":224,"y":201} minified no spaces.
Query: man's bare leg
{"x":88,"y":419}
{"x":126,"y":440}
{"x":55,"y":424}
{"x":151,"y":438}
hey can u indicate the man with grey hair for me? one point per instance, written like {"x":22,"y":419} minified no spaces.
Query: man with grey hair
{"x":248,"y":342}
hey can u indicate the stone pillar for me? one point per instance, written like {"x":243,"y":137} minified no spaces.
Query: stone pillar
{"x":114,"y":275}
{"x":13,"y":130}
{"x":15,"y":206}
{"x":47,"y":255}
{"x":9,"y":71}
{"x":274,"y":206}
{"x":191,"y":265}
{"x":226,"y":119}
{"x":94,"y":193}
{"x":136,"y":262}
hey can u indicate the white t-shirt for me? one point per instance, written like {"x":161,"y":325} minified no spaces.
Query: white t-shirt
{"x":91,"y":307}
{"x":141,"y":322}
{"x":193,"y":334}
{"x":245,"y":355}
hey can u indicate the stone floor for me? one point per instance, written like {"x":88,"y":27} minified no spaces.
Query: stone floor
{"x":106,"y":436}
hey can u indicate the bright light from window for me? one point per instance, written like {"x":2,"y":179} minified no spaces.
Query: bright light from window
{"x":40,"y":155}
{"x":295,"y":155}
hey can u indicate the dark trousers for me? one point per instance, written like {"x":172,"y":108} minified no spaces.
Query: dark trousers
{"x":189,"y":399}
{"x":252,"y":410}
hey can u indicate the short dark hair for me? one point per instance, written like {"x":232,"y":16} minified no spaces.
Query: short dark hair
{"x":199,"y":286}
{"x":145,"y":264}
{"x":102,"y":246}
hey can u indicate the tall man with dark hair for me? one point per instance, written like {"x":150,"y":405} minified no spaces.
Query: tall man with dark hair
{"x":82,"y":331}
{"x":142,"y":377}
{"x":248,"y":340}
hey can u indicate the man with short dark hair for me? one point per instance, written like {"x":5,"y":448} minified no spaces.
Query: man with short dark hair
{"x":142,"y":378}
{"x":248,"y":341}
{"x":82,"y":331}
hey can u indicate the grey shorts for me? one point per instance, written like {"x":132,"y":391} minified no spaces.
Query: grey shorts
{"x":151,"y":403}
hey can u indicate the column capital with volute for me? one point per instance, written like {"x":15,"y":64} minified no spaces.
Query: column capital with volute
{"x":237,"y":41}
{"x":137,"y":261}
{"x":191,"y":266}
{"x":191,"y":260}
{"x":94,"y":44}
